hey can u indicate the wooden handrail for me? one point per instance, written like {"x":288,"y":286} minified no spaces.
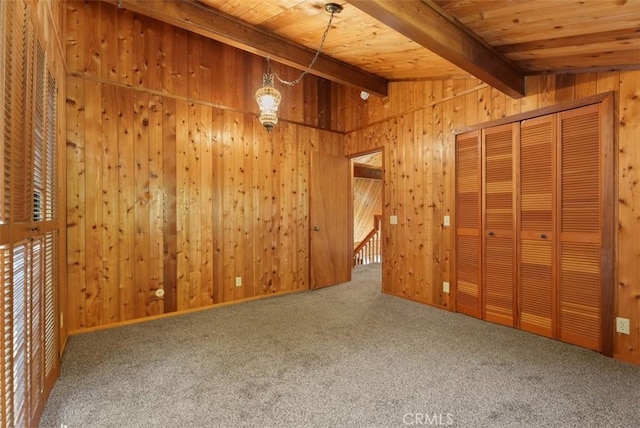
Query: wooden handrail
{"x":377,"y":218}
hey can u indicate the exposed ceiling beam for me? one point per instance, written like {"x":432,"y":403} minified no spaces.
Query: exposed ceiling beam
{"x":208,"y":22}
{"x":367,"y":171}
{"x":429,"y":26}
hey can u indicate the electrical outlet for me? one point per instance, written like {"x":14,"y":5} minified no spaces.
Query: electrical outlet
{"x":238,"y":281}
{"x":445,"y":287}
{"x":623,"y":325}
{"x":393,"y":219}
{"x":447,"y":220}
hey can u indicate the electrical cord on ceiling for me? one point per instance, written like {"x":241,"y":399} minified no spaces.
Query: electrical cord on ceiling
{"x":333,"y":9}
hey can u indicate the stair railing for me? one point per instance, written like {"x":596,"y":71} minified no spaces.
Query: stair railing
{"x":370,"y":249}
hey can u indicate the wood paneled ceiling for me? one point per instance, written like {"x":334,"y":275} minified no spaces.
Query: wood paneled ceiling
{"x":373,"y":42}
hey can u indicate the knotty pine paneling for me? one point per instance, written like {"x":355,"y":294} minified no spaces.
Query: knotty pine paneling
{"x":627,"y":290}
{"x":180,"y":196}
{"x":174,"y":185}
{"x":415,"y":126}
{"x":105,"y":44}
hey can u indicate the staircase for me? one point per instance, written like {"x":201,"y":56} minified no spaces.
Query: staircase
{"x":370,"y":249}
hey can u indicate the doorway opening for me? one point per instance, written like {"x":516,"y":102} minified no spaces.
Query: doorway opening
{"x":367,"y":202}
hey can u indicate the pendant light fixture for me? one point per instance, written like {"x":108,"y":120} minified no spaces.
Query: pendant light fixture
{"x":268,"y":97}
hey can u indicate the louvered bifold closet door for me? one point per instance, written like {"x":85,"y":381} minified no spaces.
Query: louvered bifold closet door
{"x":536,"y":268}
{"x":499,"y":145}
{"x":580,"y":227}
{"x":468,"y":222}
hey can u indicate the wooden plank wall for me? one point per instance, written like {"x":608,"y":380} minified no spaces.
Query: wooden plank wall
{"x":118,"y":46}
{"x":415,"y":125}
{"x":173,"y":183}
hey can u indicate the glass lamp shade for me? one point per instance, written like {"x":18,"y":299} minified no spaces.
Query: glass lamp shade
{"x":268,"y":99}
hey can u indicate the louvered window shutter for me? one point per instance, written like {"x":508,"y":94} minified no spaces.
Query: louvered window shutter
{"x":28,"y":218}
{"x":5,"y":100}
{"x":499,"y":263}
{"x":51,"y":151}
{"x":15,"y":203}
{"x":537,"y":180}
{"x":468,"y":215}
{"x":38,"y":135}
{"x":36,"y":331}
{"x":14,"y":207}
{"x":18,"y":322}
{"x":580,"y":227}
{"x":50,"y":307}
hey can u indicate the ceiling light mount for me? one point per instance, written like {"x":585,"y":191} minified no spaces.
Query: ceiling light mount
{"x":268,"y":97}
{"x":333,"y":8}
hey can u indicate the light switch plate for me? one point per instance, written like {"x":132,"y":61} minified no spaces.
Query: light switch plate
{"x":393,"y":219}
{"x":238,"y":281}
{"x":445,"y":287}
{"x":447,"y":220}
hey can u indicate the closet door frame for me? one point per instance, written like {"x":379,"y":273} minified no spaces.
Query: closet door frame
{"x":609,"y":215}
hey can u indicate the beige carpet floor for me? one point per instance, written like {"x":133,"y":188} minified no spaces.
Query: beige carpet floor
{"x":344,"y":356}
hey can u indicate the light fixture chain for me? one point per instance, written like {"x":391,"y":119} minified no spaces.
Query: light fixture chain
{"x":313,"y":61}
